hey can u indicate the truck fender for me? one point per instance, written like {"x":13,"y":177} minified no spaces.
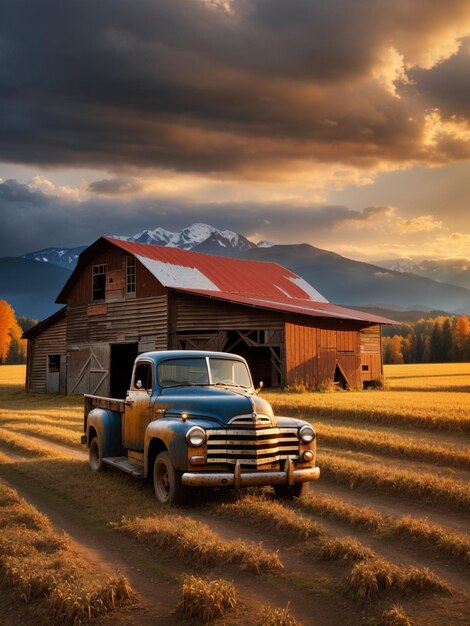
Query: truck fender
{"x":172,"y":434}
{"x":107,"y":425}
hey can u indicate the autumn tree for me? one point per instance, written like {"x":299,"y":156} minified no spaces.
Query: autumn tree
{"x":397,"y":354}
{"x":407,"y":348}
{"x":10,"y":330}
{"x":462,"y":338}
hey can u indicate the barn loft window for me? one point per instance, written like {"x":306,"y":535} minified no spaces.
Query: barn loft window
{"x":99,"y":282}
{"x":130,"y":274}
{"x":53,"y":363}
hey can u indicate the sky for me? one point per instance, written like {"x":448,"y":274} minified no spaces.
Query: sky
{"x":340,"y":123}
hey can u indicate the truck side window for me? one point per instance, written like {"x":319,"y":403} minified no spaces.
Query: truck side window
{"x":143,"y":372}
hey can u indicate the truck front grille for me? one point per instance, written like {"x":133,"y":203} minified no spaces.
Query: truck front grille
{"x":252,"y":446}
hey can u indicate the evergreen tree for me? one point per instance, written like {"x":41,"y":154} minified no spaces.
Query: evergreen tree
{"x":436,"y":343}
{"x":446,"y":341}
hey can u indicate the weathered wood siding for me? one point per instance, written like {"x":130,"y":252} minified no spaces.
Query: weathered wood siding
{"x":116,"y":322}
{"x":193,"y":313}
{"x":371,"y":352}
{"x":50,"y":341}
{"x":115,"y":261}
{"x":314,"y":349}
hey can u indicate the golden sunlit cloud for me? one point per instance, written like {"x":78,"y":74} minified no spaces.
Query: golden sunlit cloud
{"x":390,"y":70}
{"x":40,"y":183}
{"x":437,"y":129}
{"x":422,"y":223}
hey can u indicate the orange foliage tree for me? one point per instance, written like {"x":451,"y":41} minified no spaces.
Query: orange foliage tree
{"x":9,"y":330}
{"x":462,"y":337}
{"x":397,"y":353}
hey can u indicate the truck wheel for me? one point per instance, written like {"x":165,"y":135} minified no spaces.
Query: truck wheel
{"x":284,"y":492}
{"x":167,"y":481}
{"x":95,"y":457}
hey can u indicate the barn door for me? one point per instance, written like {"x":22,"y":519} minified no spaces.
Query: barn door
{"x":350,"y":365}
{"x":326,"y":366}
{"x":88,"y":370}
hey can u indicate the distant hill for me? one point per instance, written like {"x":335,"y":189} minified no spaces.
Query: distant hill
{"x":402,"y":315}
{"x":452,"y":271}
{"x":31,"y":287}
{"x":343,"y":280}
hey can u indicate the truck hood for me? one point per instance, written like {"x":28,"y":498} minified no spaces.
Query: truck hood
{"x":220,"y":405}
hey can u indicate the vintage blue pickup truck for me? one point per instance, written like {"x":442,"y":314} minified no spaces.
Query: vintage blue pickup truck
{"x":194,"y":419}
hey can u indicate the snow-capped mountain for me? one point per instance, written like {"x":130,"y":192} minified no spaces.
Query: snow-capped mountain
{"x":197,"y":237}
{"x":193,"y":236}
{"x":452,"y":271}
{"x":64,"y":257}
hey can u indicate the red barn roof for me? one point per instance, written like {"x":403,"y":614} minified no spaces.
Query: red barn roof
{"x":253,"y":283}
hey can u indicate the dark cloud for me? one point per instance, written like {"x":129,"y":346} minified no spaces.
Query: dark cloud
{"x":115,"y":186}
{"x":176,"y":84}
{"x":32,"y":220}
{"x":447,"y":86}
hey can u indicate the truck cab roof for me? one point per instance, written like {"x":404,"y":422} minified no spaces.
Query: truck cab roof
{"x":160,"y":355}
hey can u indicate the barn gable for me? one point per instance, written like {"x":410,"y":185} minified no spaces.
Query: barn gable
{"x":124,"y":298}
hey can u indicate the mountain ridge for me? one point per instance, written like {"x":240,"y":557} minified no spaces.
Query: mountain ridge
{"x":339,"y":279}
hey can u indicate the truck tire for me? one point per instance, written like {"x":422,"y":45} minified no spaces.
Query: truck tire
{"x":167,"y":481}
{"x":95,"y":456}
{"x":284,"y":492}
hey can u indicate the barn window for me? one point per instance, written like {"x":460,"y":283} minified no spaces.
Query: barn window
{"x":99,"y":282}
{"x":130,"y":274}
{"x":53,"y":363}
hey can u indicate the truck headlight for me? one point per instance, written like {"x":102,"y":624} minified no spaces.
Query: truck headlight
{"x":196,"y":436}
{"x":306,"y":434}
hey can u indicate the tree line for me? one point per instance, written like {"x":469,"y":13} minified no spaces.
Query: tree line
{"x":433,"y":340}
{"x":12,"y":347}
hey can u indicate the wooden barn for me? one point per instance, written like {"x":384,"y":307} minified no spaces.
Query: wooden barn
{"x":126,"y":298}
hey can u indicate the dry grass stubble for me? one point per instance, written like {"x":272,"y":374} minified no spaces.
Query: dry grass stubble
{"x":190,"y":538}
{"x":413,"y":530}
{"x":369,"y":578}
{"x":426,"y":487}
{"x":207,"y":599}
{"x":39,"y":565}
{"x":268,"y":513}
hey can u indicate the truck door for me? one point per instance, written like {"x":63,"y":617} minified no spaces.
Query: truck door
{"x":137,"y":413}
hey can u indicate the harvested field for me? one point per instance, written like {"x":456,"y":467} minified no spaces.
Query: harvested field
{"x":321,"y":560}
{"x":38,"y":564}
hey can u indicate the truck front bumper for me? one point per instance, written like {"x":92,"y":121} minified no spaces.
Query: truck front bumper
{"x":238,"y":479}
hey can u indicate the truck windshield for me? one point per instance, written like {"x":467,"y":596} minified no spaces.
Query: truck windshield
{"x":231,"y":373}
{"x":193,"y":371}
{"x":176,"y":372}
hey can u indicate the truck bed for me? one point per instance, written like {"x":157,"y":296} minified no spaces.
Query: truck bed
{"x":98,"y":402}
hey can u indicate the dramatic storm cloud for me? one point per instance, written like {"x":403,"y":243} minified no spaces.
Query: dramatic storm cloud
{"x":250,"y":88}
{"x":268,"y":108}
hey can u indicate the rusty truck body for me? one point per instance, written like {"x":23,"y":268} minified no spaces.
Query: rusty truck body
{"x":194,"y":419}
